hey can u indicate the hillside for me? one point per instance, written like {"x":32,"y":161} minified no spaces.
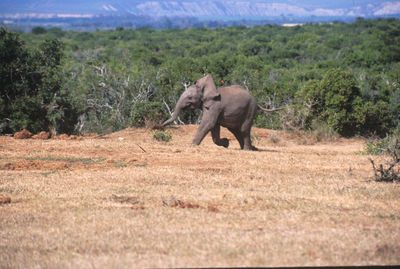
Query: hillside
{"x":125,"y":199}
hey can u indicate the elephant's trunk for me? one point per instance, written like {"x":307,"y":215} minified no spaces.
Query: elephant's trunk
{"x":177,"y":109}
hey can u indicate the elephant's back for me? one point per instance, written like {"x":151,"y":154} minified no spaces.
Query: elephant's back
{"x":236,"y":94}
{"x":237,"y":106}
{"x":234,"y":90}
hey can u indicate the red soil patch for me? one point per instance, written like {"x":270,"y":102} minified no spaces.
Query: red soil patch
{"x":36,"y":165}
{"x":172,"y":202}
{"x":5,"y":200}
{"x":67,"y":137}
{"x":42,"y":135}
{"x":24,"y":134}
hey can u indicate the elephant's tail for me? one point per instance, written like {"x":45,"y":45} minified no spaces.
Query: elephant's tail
{"x":269,"y":110}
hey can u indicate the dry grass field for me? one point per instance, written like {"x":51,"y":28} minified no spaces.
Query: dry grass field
{"x":126,"y":200}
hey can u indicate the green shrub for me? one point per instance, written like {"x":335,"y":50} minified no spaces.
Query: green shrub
{"x":389,"y":171}
{"x":146,"y":114}
{"x":387,"y":145}
{"x":163,"y":135}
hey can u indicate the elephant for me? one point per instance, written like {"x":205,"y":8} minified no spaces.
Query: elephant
{"x":231,"y":106}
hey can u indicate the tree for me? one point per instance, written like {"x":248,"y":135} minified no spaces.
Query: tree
{"x":14,"y":77}
{"x":32,"y":95}
{"x":38,"y":30}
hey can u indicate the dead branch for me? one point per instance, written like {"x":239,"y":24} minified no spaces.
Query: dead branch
{"x":141,"y":148}
{"x":388,"y":174}
{"x":99,"y":136}
{"x":373,"y":166}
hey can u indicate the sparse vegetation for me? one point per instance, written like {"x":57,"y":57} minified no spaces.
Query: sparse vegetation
{"x":188,"y":206}
{"x":68,"y":159}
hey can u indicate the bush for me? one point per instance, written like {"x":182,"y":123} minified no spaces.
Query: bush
{"x":378,"y":146}
{"x":147,"y":114}
{"x":323,"y":132}
{"x":38,"y":30}
{"x":163,"y":135}
{"x":390,"y":146}
{"x":296,"y":118}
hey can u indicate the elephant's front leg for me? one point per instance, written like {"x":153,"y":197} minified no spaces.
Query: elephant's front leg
{"x":215,"y":132}
{"x":208,"y":122}
{"x":201,"y":133}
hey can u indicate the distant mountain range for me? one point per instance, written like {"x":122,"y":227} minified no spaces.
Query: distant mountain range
{"x":95,"y":14}
{"x":198,"y":9}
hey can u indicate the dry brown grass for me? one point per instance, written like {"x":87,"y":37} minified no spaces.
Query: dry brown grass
{"x":126,"y":200}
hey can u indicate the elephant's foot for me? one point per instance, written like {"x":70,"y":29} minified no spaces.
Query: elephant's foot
{"x":195,"y":142}
{"x":253,"y":148}
{"x":224,"y":142}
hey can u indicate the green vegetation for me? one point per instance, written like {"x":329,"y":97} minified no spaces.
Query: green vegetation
{"x":345,"y":77}
{"x":379,"y":146}
{"x":162,"y":135}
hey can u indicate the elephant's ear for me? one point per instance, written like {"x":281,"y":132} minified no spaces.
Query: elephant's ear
{"x":210,"y":92}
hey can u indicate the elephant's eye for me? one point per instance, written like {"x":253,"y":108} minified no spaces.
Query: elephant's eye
{"x":190,"y":97}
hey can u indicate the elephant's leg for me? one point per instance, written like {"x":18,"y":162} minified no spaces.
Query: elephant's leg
{"x":201,"y":133}
{"x":215,"y":132}
{"x":247,"y":141}
{"x":238,"y":136}
{"x":246,"y":130}
{"x":208,"y":122}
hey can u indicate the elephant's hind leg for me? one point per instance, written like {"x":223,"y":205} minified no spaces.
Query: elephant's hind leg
{"x":247,"y":141}
{"x":238,"y":136}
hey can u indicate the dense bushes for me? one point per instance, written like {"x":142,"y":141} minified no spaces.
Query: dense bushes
{"x":107,"y":80}
{"x":337,"y":100}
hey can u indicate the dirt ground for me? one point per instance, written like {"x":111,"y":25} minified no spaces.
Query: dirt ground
{"x":126,"y":200}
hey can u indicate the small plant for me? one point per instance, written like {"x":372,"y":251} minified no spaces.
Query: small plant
{"x":274,"y":139}
{"x":120,"y":164}
{"x":141,"y":164}
{"x":390,"y":146}
{"x":162,"y":135}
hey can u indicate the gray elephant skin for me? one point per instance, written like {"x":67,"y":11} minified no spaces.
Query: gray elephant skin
{"x":232,"y":107}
